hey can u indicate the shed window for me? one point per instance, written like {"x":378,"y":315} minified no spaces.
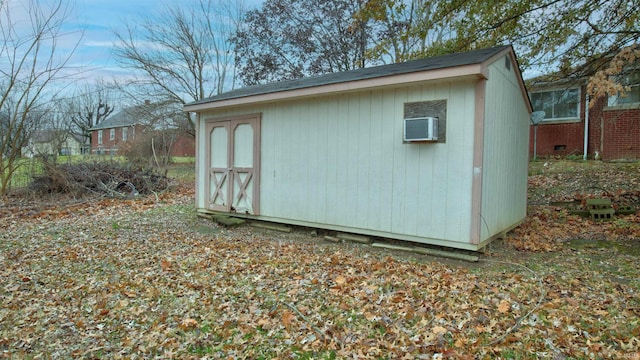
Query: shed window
{"x":560,"y":104}
{"x":434,"y":108}
{"x":631,"y":96}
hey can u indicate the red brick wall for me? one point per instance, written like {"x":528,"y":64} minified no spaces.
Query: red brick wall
{"x":614,"y":134}
{"x":558,"y":139}
{"x":117,"y":143}
{"x":622,"y":134}
{"x":184,"y":145}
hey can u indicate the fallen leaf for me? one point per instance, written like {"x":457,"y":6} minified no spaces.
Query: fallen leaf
{"x":287,"y":318}
{"x":369,"y":316}
{"x":439,"y":330}
{"x":504,"y":306}
{"x":165,"y":264}
{"x":188,"y":324}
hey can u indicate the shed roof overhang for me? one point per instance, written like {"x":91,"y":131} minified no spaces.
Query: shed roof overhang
{"x":470,"y":65}
{"x":475,"y":71}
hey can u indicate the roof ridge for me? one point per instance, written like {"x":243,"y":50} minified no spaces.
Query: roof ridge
{"x":425,"y":64}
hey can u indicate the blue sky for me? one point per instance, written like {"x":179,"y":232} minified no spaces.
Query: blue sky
{"x":91,"y":25}
{"x":94,"y":23}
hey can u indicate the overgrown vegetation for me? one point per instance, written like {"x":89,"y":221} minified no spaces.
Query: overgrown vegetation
{"x":151,"y":149}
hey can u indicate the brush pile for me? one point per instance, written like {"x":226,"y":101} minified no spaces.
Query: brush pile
{"x":109,"y":179}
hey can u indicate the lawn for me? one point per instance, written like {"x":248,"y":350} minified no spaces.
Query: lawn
{"x":146,"y":278}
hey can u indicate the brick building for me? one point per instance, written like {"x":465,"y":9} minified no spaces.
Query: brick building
{"x":610,"y":128}
{"x":120,"y":131}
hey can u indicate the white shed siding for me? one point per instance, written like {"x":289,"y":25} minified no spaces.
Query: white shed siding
{"x":505,"y":161}
{"x":339,"y":160}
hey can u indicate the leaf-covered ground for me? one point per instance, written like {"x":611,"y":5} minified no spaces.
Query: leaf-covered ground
{"x":147,"y":278}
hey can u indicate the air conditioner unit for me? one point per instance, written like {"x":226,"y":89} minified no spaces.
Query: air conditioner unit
{"x":421,"y":129}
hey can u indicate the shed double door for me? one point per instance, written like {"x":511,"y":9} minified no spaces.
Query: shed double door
{"x":234,"y":164}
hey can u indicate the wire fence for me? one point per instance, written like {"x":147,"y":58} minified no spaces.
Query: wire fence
{"x":26,"y":171}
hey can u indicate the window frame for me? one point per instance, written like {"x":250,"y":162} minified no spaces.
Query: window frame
{"x":632,"y":80}
{"x":124,"y":134}
{"x":100,"y":137}
{"x":548,"y":119}
{"x":112,"y":134}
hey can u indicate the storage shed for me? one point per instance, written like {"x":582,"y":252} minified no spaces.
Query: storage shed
{"x":431,"y":151}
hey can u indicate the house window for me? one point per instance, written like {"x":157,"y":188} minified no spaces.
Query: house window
{"x":112,"y":134}
{"x":632,"y":95}
{"x":560,"y":104}
{"x":124,"y":134}
{"x":99,"y":136}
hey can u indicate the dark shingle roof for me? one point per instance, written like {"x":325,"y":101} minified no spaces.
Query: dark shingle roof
{"x":433,"y":63}
{"x":126,"y":117}
{"x":144,"y":114}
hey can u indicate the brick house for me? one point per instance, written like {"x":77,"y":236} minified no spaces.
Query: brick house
{"x":121,"y":130}
{"x":610,"y":129}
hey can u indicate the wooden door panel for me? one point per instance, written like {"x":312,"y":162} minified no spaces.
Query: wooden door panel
{"x":234,"y":165}
{"x":243,"y":140}
{"x":218,"y":190}
{"x":243,"y":190}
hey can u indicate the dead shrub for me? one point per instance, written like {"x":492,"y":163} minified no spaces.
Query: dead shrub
{"x":98,"y":178}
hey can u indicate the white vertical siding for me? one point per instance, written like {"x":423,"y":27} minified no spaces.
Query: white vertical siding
{"x":457,"y":206}
{"x":505,"y":158}
{"x":339,"y":160}
{"x":387,"y":122}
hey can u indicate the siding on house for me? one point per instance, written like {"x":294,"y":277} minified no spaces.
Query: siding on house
{"x":52,"y":142}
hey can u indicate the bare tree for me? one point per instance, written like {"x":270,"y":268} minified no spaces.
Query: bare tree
{"x":87,"y":108}
{"x":49,"y":136}
{"x":152,"y":146}
{"x":30,"y":61}
{"x":183,"y":54}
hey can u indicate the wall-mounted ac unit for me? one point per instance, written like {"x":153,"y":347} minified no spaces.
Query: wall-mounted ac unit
{"x":421,"y":129}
